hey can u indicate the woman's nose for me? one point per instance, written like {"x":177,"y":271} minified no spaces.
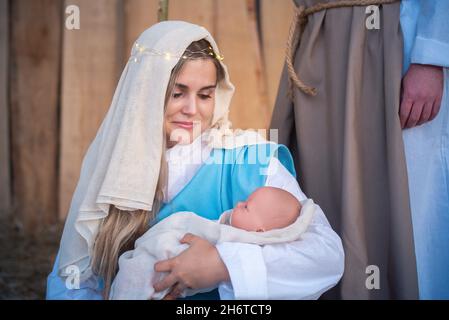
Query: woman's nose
{"x":190,"y":106}
{"x":240,"y":204}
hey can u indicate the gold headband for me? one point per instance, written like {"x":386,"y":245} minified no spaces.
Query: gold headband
{"x":141,"y":50}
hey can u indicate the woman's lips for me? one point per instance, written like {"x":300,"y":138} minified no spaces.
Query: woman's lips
{"x":184,"y":124}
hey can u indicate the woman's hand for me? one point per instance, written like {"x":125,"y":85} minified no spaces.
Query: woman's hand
{"x":198,"y":267}
{"x":422,"y":91}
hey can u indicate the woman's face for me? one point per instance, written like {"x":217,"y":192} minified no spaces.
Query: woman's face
{"x":191,"y":105}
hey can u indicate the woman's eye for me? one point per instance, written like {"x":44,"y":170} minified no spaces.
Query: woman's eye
{"x":204,"y":96}
{"x":176,"y":95}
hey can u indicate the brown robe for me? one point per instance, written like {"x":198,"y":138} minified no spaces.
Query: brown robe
{"x":347,"y":144}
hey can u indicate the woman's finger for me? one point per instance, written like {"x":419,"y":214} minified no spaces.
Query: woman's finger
{"x":188,"y":238}
{"x":177,"y":290}
{"x":169,"y":296}
{"x":164,"y":265}
{"x":165,"y":283}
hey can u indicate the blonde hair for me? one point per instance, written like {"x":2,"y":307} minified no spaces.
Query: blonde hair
{"x":120,"y":229}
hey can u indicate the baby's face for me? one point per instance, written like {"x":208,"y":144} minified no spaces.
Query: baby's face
{"x":265,"y":209}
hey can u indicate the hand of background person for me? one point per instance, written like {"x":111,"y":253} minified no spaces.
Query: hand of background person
{"x":422,"y":91}
{"x":198,"y":267}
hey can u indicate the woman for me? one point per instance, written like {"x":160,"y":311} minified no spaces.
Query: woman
{"x":165,"y":146}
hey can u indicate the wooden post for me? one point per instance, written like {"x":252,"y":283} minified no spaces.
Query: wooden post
{"x":163,"y":10}
{"x":92,"y":62}
{"x":34,"y":76}
{"x":5,"y":160}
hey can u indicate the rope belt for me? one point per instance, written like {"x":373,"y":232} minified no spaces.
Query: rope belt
{"x":297,"y":27}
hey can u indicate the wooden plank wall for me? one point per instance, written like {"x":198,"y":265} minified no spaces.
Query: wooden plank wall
{"x":91,"y":60}
{"x":5,"y":174}
{"x":61,"y":89}
{"x":275,"y":17}
{"x":34,"y":80}
{"x":185,"y":10}
{"x":138,"y":16}
{"x":237,"y":38}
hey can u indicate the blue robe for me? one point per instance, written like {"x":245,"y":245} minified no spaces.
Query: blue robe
{"x":229,"y":176}
{"x":425,"y":26}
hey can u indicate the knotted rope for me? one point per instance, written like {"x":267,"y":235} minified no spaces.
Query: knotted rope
{"x":297,"y":27}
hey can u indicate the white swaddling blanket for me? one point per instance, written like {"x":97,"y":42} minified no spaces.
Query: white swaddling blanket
{"x":136,"y":267}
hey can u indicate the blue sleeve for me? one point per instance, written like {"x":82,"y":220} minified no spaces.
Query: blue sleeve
{"x":57,"y":289}
{"x":431,"y":45}
{"x":251,"y":167}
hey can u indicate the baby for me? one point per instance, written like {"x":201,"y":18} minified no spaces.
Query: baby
{"x":265,"y":209}
{"x":269,"y":215}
